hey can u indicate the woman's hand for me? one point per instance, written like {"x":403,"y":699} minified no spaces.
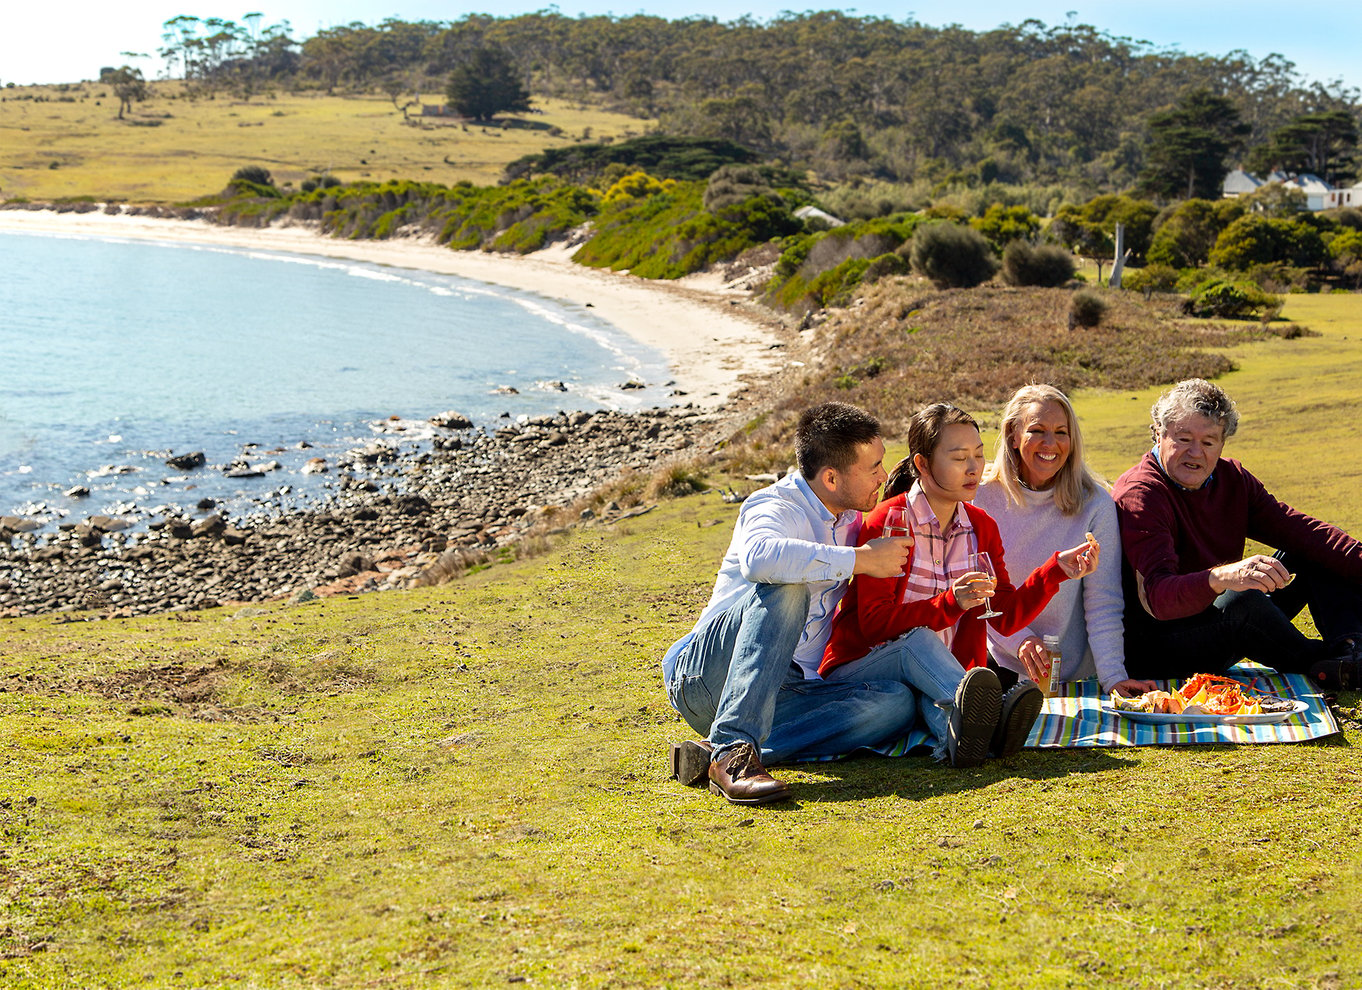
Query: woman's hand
{"x":973,"y":588}
{"x":1034,"y":657}
{"x":1130,"y":688}
{"x":1080,"y":561}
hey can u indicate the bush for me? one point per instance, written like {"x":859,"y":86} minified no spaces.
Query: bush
{"x":1231,"y":300}
{"x":952,"y":256}
{"x":1086,"y":309}
{"x":1003,"y":225}
{"x":1150,"y":279}
{"x":1047,"y":265}
{"x":1257,"y":240}
{"x":256,"y":174}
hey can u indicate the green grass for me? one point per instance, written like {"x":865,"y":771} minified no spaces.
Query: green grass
{"x":173,"y":150}
{"x":464,"y":786}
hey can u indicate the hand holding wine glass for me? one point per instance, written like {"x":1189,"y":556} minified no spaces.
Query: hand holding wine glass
{"x":982,"y":563}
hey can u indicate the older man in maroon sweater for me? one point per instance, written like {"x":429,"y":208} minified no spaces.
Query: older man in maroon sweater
{"x":1194,"y":602}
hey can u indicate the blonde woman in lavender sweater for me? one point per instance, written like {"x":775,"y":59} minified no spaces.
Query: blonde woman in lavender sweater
{"x":1043,"y":496}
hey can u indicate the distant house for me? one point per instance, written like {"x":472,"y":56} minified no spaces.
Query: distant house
{"x":1319,"y":195}
{"x":1337,"y":198}
{"x":1239,"y":183}
{"x":436,"y":110}
{"x":1315,"y":189}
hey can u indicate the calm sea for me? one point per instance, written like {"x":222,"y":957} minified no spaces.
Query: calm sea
{"x":114,"y":354}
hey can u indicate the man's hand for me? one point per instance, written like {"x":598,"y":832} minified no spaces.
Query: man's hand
{"x":883,"y":557}
{"x":1257,"y":573}
{"x":1130,"y":688}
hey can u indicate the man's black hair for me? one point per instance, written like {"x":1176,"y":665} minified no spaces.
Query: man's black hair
{"x":828,"y":436}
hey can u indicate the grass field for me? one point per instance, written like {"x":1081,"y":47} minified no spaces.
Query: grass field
{"x":464,"y":786}
{"x":68,"y":141}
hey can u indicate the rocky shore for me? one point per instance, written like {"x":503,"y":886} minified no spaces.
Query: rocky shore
{"x":396,"y":520}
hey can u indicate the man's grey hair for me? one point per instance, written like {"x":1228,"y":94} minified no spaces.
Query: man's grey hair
{"x":1195,"y":396}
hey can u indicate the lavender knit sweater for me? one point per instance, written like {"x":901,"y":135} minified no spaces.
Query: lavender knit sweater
{"x":1084,"y":614}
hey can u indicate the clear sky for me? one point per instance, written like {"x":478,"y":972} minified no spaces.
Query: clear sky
{"x":70,"y":40}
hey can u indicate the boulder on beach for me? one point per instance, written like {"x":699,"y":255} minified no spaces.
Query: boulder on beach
{"x":79,"y":491}
{"x":316,"y":465}
{"x":452,"y":421}
{"x":187,"y":462}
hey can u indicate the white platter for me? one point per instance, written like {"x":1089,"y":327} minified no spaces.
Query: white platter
{"x":1167,"y":718}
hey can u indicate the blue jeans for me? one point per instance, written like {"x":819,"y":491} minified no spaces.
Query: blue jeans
{"x":919,"y":658}
{"x":736,"y":681}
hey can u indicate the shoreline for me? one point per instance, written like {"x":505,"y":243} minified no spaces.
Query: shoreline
{"x":714,"y":341}
{"x":398,"y":518}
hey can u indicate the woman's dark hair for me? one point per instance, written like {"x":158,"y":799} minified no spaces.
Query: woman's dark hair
{"x":828,"y":435}
{"x":924,"y":435}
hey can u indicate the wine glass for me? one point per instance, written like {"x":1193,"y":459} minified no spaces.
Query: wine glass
{"x":981,"y":562}
{"x":896,"y":522}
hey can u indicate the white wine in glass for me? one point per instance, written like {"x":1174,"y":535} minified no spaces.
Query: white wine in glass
{"x":980,"y":562}
{"x":896,"y":522}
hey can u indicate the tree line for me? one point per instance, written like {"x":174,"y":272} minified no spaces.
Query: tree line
{"x":855,"y":98}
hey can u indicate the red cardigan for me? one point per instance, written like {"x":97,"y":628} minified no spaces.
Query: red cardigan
{"x":873,"y":610}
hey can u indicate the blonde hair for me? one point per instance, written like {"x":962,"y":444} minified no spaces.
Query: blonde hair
{"x":1075,"y":482}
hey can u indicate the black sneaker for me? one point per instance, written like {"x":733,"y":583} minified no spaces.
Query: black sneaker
{"x":974,"y":719}
{"x":1021,"y":707}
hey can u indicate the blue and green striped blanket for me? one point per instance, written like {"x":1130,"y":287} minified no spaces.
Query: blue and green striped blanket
{"x":1077,"y":719}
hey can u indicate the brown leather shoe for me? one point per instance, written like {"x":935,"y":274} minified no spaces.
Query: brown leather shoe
{"x":690,"y":760}
{"x":740,"y":777}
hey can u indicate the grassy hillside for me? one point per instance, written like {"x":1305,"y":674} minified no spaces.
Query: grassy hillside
{"x":58,"y":141}
{"x":464,"y":786}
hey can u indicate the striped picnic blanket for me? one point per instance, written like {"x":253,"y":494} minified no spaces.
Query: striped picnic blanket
{"x":1076,"y":719}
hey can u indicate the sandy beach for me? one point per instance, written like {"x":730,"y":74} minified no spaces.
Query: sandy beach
{"x":711,"y":339}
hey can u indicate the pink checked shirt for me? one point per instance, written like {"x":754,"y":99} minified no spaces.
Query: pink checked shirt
{"x":939,"y":558}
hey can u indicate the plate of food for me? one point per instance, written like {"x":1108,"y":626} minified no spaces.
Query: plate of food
{"x":1206,"y":699}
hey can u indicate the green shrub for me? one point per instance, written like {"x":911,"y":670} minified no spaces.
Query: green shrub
{"x":256,"y":174}
{"x":952,"y":256}
{"x":1258,"y":240}
{"x":1150,"y":279}
{"x":1047,"y":265}
{"x":822,"y":268}
{"x":670,"y":234}
{"x":1230,"y":300}
{"x":1086,"y":309}
{"x":1004,"y":225}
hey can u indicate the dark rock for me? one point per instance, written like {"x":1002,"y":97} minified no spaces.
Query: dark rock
{"x":452,"y":421}
{"x":80,"y":491}
{"x":187,"y":462}
{"x":204,"y":504}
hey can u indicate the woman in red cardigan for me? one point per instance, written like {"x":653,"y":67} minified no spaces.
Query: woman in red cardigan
{"x":923,"y":626}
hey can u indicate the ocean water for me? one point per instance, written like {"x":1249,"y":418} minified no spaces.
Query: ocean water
{"x":114,"y":354}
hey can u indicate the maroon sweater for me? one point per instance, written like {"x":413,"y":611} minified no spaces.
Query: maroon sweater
{"x":1172,"y":537}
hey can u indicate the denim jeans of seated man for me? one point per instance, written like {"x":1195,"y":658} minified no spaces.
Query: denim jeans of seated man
{"x":919,"y":658}
{"x":1250,"y":624}
{"x":736,"y":682}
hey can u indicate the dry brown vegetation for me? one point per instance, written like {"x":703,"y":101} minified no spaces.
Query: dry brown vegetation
{"x":903,"y":344}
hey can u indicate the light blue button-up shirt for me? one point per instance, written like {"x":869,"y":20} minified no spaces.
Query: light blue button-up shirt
{"x":785,"y":535}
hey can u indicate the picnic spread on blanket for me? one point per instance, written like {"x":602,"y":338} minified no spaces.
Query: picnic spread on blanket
{"x":1082,"y":716}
